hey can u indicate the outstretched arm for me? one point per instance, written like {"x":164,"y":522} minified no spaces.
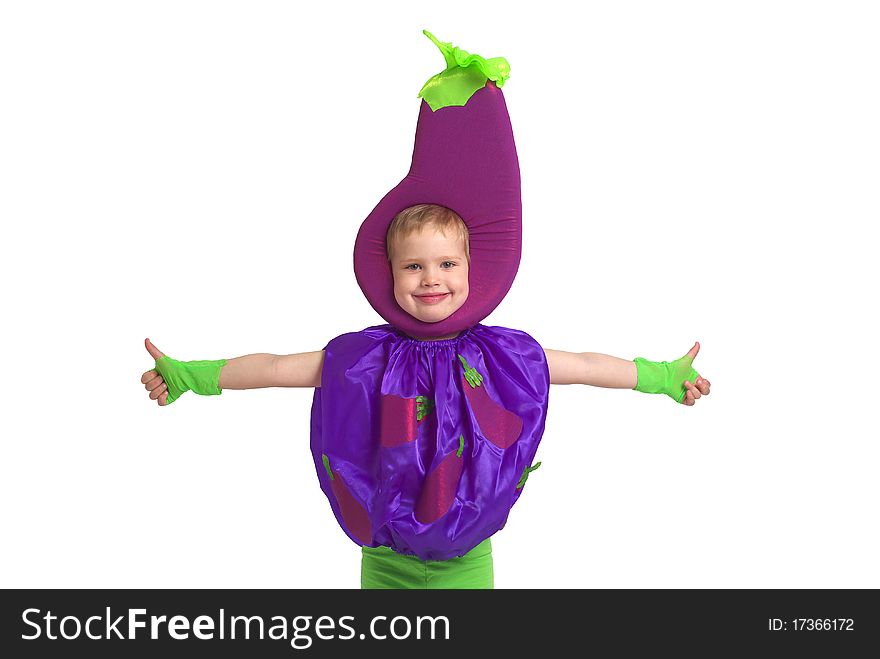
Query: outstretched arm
{"x":591,"y":368}
{"x":264,"y":370}
{"x":676,"y":379}
{"x":300,"y":370}
{"x":170,"y":378}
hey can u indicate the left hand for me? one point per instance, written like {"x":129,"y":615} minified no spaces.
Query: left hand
{"x":695,"y":389}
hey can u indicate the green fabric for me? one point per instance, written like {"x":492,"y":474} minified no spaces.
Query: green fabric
{"x":525,"y":475}
{"x":424,"y":406}
{"x":382,"y":568}
{"x":326,"y":461}
{"x":470,"y":374}
{"x":665,"y":377}
{"x":202,"y":377}
{"x":465,"y":74}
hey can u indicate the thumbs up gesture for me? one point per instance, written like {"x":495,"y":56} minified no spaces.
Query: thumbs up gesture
{"x":700,"y":386}
{"x":677,"y":379}
{"x":152,"y":380}
{"x":170,"y":379}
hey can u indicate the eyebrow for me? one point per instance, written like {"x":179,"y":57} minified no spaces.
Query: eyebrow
{"x":440,"y":258}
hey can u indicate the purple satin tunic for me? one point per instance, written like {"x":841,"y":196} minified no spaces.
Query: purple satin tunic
{"x":424,"y":446}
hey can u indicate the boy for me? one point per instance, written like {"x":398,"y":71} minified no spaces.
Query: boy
{"x":428,"y":252}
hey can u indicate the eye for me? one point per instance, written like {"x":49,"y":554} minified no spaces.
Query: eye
{"x":412,"y":266}
{"x":448,"y":264}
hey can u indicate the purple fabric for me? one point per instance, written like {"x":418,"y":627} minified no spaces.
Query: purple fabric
{"x":465,"y":159}
{"x":407,"y":476}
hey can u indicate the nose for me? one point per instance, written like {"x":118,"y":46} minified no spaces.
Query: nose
{"x":430,"y":277}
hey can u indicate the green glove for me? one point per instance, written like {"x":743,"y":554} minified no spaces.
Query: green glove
{"x":665,"y":377}
{"x":202,"y":377}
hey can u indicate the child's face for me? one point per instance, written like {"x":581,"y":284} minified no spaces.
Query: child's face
{"x":430,"y":274}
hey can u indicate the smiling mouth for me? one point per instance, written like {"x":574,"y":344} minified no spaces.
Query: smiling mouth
{"x":431,"y":299}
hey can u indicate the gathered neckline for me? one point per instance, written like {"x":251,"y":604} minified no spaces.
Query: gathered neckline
{"x":432,"y":342}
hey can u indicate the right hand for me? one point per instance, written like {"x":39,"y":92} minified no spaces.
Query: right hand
{"x":154,"y":382}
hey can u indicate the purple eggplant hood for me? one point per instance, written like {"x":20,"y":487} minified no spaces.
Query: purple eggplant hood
{"x":465,"y":159}
{"x":365,"y":375}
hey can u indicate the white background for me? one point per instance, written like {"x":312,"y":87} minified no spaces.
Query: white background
{"x":196,"y":172}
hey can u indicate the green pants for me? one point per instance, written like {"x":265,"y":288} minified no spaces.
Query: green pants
{"x":382,"y":567}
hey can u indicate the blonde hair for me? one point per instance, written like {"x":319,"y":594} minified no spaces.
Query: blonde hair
{"x":416,"y":218}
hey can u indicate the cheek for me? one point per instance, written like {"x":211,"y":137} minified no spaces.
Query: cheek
{"x":463,"y":287}
{"x":400,"y":289}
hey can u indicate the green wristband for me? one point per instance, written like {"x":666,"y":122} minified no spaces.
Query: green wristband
{"x":665,"y":377}
{"x":202,"y":377}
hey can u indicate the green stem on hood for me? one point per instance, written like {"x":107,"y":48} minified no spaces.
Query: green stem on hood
{"x":465,"y":73}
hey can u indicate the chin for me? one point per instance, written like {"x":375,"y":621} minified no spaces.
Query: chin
{"x":431,"y":318}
